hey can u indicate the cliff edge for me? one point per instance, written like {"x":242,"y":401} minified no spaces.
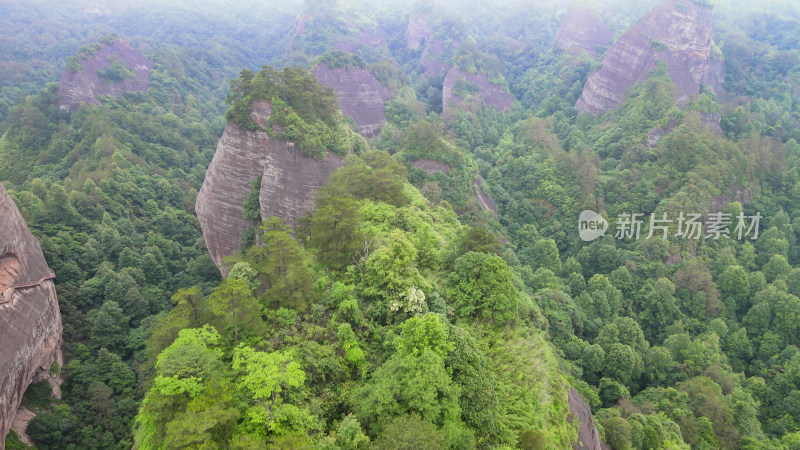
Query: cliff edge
{"x":111,"y":67}
{"x":582,"y":30}
{"x":679,"y":32}
{"x":476,"y":85}
{"x":289,"y":180}
{"x":30,"y":321}
{"x":361,"y":96}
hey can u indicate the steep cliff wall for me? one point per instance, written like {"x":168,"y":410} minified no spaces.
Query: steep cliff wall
{"x":85,"y":85}
{"x":344,"y":28}
{"x":582,"y":30}
{"x":30,"y":322}
{"x":434,"y":53}
{"x":289,"y":180}
{"x":588,"y":437}
{"x":679,"y":32}
{"x":361,"y":96}
{"x":489,"y":94}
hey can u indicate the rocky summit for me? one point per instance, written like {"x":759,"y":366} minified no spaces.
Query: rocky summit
{"x":29,"y":313}
{"x":289,"y":180}
{"x":487,"y":92}
{"x":111,"y":67}
{"x":583,"y":31}
{"x":361,"y":96}
{"x":678,"y":32}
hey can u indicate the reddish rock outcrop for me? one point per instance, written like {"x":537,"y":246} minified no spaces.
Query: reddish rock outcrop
{"x":370,"y":38}
{"x":289,"y":180}
{"x":489,"y":94}
{"x":679,"y":32}
{"x":738,"y":193}
{"x":588,"y":437}
{"x":361,"y":96}
{"x":485,"y":200}
{"x":30,"y":321}
{"x":86,"y":86}
{"x":582,"y":30}
{"x":419,"y":34}
{"x":355,"y":30}
{"x":432,"y":167}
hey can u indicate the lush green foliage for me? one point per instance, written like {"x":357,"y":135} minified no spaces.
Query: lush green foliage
{"x":383,"y":320}
{"x":301,"y":110}
{"x":115,"y":73}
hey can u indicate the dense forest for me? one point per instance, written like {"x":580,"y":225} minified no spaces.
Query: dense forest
{"x":399,"y":311}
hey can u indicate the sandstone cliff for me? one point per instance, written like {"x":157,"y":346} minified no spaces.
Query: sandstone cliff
{"x":488,"y":93}
{"x":588,"y":437}
{"x":343,"y":27}
{"x":679,"y":32}
{"x":361,"y":96}
{"x":88,"y":81}
{"x":30,"y":322}
{"x":419,"y":35}
{"x":289,"y":180}
{"x":582,"y":30}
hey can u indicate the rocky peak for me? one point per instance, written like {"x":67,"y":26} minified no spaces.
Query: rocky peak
{"x":477,"y":85}
{"x":679,"y":32}
{"x":345,"y":28}
{"x":583,"y":30}
{"x":110,"y":67}
{"x":361,"y":96}
{"x":30,"y":321}
{"x":588,"y":436}
{"x":419,"y":31}
{"x":289,"y":180}
{"x":435,"y":53}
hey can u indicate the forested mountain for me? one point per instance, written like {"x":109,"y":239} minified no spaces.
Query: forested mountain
{"x":343,"y":224}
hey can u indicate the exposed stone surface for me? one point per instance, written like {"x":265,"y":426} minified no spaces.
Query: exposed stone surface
{"x":655,"y":134}
{"x":588,"y":437}
{"x":741,"y":194}
{"x":431,"y":167}
{"x":679,"y":32}
{"x":85,"y":86}
{"x":419,"y":34}
{"x":485,"y":200}
{"x":712,"y":121}
{"x":370,"y":38}
{"x":582,"y":30}
{"x":361,"y":96}
{"x":490,"y":94}
{"x":357,"y":31}
{"x":30,"y":321}
{"x":289,"y":180}
{"x":20,"y":424}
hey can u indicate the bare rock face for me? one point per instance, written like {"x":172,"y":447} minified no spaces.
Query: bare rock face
{"x":739,"y":193}
{"x":432,"y":167}
{"x":588,"y":437}
{"x":679,"y":32}
{"x":86,"y":85}
{"x":357,"y":30}
{"x":361,"y":96}
{"x":289,"y":180}
{"x":489,"y":94}
{"x":30,"y":321}
{"x":582,"y":30}
{"x":369,"y":38}
{"x":485,"y":200}
{"x":419,"y":34}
